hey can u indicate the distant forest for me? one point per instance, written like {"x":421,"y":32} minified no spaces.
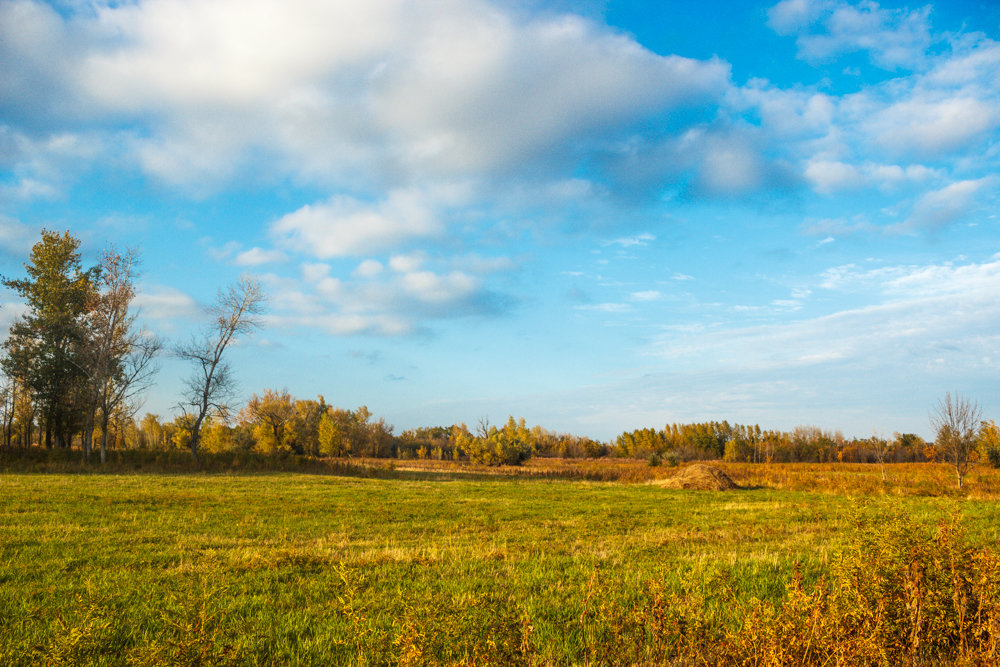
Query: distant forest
{"x":76,"y":364}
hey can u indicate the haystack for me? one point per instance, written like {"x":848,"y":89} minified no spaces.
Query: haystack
{"x":701,"y":477}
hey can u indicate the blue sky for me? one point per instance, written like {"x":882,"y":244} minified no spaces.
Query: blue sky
{"x":596,"y":215}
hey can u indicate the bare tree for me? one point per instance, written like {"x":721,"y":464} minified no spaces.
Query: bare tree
{"x":956,"y":423}
{"x":118,"y":357}
{"x":881,"y":448}
{"x":236,"y":313}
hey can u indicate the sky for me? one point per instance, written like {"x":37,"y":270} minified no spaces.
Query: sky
{"x":599,"y":216}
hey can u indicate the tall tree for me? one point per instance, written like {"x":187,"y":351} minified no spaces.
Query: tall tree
{"x":956,"y":422}
{"x":271,"y":411}
{"x":45,"y":344}
{"x":236,"y":313}
{"x":118,"y":354}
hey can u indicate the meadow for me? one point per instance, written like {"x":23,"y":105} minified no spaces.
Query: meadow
{"x":436,"y":563}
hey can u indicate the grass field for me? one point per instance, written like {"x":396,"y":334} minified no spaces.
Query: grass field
{"x":422,"y":566}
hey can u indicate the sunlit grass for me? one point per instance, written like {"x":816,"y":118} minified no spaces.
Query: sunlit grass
{"x":317,"y":569}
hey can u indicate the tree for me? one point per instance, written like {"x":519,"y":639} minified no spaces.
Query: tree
{"x":304,"y":426}
{"x":988,"y":440}
{"x":956,"y":422}
{"x":509,"y":445}
{"x":8,"y":401}
{"x":235,"y":314}
{"x":117,"y":357}
{"x":271,"y":411}
{"x":44,"y":348}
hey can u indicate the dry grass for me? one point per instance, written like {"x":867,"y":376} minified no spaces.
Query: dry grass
{"x":851,"y":479}
{"x":699,"y":477}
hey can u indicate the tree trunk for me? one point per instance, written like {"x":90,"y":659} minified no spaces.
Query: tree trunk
{"x":87,"y":437}
{"x":104,"y":438}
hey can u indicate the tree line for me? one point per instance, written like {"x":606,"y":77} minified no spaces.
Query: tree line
{"x":77,"y":362}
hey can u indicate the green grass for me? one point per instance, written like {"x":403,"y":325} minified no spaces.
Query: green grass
{"x":318,"y":569}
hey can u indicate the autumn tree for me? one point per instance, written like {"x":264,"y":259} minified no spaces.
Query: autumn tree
{"x":303,"y":429}
{"x":44,"y":351}
{"x":235,"y":314}
{"x":117,"y":355}
{"x":988,"y":441}
{"x":270,"y":412}
{"x":331,"y":439}
{"x":152,"y":434}
{"x":509,"y":445}
{"x":956,"y":423}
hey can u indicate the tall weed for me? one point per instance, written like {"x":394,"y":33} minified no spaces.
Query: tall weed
{"x":902,"y":594}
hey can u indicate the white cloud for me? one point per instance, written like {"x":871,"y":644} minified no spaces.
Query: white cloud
{"x":927,"y":126}
{"x":728,"y":163}
{"x":646,"y":295}
{"x":359,"y":92}
{"x":344,"y":226}
{"x":409,"y":298}
{"x":941,"y":207}
{"x":165,"y":303}
{"x":313,"y":272}
{"x":16,"y":237}
{"x":41,"y":166}
{"x":828,"y":176}
{"x":257,"y":256}
{"x":792,"y":113}
{"x":430,"y":287}
{"x":923,"y":312}
{"x":893,"y":38}
{"x":368,"y":268}
{"x":407,"y":263}
{"x":631,"y":241}
{"x":789,"y":16}
{"x":224,"y":252}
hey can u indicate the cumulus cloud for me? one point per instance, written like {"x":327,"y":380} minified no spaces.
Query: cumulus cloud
{"x":829,"y":28}
{"x":369,"y":268}
{"x":344,"y":226}
{"x":352,"y":91}
{"x":924,"y":125}
{"x":830,"y":175}
{"x":408,"y":298}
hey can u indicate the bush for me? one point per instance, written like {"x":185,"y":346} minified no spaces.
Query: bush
{"x":901,"y":594}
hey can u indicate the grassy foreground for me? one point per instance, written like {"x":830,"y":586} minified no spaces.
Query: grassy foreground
{"x":288,"y":568}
